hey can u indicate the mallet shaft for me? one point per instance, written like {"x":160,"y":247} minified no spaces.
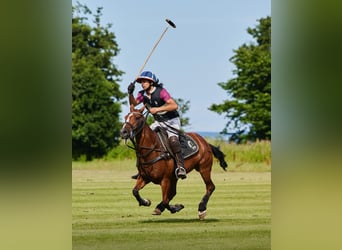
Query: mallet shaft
{"x":149,"y":55}
{"x":155,"y":46}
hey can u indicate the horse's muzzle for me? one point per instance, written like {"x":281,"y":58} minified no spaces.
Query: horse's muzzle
{"x":124,"y":133}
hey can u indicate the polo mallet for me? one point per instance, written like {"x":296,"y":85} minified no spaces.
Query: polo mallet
{"x":154,"y":47}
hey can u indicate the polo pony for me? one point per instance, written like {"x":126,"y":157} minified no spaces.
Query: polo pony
{"x":156,"y":164}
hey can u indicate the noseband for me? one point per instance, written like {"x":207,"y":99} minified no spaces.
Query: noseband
{"x":135,"y":130}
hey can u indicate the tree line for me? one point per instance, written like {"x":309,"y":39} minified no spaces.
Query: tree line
{"x":97,"y":99}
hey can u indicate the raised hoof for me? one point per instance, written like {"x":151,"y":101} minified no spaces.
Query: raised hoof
{"x":176,"y":208}
{"x":156,"y":212}
{"x":201,"y":215}
{"x":148,"y":202}
{"x":145,"y":202}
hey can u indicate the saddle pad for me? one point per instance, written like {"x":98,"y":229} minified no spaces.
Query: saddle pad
{"x":188,"y":145}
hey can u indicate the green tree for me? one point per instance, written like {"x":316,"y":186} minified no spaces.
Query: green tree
{"x":95,"y":90}
{"x":248,"y":107}
{"x":183,"y":107}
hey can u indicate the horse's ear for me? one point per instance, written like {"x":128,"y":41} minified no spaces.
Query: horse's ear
{"x":142,"y":109}
{"x":131,"y":108}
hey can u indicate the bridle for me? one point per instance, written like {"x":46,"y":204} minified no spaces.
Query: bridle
{"x":134,"y":132}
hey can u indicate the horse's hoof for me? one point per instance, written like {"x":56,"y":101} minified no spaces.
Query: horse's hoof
{"x":202,"y":214}
{"x":147,"y":202}
{"x":176,"y":208}
{"x":156,"y":212}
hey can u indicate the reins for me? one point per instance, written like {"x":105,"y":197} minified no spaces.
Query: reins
{"x":132,"y":136}
{"x":138,"y":148}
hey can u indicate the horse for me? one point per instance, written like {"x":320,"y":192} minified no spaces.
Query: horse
{"x":155,"y":164}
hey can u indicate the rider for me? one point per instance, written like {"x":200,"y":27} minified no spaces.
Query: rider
{"x":164,"y":110}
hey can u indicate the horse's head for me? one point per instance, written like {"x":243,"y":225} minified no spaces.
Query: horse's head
{"x":134,"y":123}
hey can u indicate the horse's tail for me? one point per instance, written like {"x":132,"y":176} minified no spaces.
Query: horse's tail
{"x":220,"y":156}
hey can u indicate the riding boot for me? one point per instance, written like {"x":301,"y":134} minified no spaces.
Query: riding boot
{"x":176,"y":149}
{"x":135,"y":176}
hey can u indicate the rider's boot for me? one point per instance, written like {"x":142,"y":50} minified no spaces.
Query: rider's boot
{"x":135,"y":176}
{"x":176,"y":149}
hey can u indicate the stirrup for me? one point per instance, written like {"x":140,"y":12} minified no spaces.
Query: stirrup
{"x":181,"y":176}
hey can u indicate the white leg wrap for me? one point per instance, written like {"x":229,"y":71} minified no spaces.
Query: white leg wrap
{"x":202,"y":214}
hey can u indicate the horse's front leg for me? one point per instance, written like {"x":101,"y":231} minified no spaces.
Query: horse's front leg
{"x":140,"y":183}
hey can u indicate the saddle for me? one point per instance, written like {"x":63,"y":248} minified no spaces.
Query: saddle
{"x":188,"y":145}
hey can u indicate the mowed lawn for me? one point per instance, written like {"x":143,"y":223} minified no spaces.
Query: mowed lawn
{"x":105,"y":215}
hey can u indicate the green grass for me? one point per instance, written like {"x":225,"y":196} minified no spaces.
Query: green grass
{"x":105,"y":215}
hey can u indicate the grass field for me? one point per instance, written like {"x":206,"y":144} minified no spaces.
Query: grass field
{"x":107,"y":216}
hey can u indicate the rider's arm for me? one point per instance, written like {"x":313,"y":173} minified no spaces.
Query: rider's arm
{"x":132,"y":100}
{"x":135,"y":101}
{"x":169,"y":105}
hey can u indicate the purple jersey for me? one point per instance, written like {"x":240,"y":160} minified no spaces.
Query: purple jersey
{"x":159,"y":97}
{"x":164,"y":95}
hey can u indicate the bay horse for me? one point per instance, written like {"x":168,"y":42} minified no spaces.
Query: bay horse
{"x":155,"y":164}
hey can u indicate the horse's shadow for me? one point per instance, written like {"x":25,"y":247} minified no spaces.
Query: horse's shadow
{"x":178,"y":220}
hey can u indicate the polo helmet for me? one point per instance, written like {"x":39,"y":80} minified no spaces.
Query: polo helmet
{"x":147,"y":75}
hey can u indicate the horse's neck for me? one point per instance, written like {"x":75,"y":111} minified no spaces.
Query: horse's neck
{"x":147,"y":137}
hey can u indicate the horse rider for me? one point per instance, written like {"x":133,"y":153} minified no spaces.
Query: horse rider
{"x":164,"y":110}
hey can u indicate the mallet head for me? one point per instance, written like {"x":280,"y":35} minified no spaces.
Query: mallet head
{"x":170,"y":23}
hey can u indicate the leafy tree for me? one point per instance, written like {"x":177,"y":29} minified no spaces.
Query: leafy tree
{"x":95,"y":91}
{"x":248,"y":108}
{"x":183,"y":107}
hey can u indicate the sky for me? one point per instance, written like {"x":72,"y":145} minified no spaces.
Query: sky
{"x":192,"y":58}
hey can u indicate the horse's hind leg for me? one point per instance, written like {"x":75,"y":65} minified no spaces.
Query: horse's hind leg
{"x":139,"y":185}
{"x":172,"y":192}
{"x":210,"y":187}
{"x":168,"y":192}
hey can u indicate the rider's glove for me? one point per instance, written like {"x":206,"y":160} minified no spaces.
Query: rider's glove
{"x":130,"y":88}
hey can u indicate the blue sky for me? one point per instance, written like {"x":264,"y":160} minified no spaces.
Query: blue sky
{"x":191,"y":59}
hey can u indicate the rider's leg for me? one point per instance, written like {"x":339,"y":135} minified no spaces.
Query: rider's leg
{"x":176,"y":149}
